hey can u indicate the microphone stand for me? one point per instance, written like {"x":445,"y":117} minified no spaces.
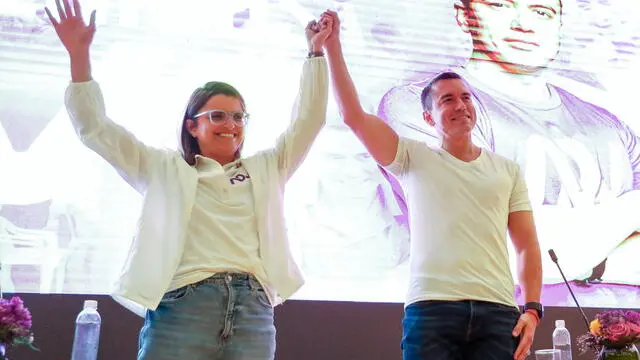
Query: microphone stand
{"x":554,"y":258}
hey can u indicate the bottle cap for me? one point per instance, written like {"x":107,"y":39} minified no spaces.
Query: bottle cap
{"x":559,"y":323}
{"x":93,"y":304}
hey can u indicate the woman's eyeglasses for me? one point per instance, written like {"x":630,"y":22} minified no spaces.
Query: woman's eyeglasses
{"x":219,"y":117}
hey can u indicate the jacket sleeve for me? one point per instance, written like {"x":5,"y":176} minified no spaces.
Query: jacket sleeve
{"x":130,"y":157}
{"x":309,"y":117}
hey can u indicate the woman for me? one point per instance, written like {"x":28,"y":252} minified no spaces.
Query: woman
{"x":211,"y":258}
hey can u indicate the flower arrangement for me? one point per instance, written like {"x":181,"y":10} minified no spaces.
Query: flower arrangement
{"x":612,"y":329}
{"x":15,"y":324}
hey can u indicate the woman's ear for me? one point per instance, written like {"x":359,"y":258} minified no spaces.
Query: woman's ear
{"x":192,"y":127}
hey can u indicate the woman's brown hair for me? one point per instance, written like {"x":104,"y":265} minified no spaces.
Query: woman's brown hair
{"x":188,"y":144}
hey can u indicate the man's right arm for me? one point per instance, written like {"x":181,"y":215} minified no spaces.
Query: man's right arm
{"x":379,"y":138}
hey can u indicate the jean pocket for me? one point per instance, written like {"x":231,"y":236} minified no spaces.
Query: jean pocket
{"x":176,"y":295}
{"x":259,"y":294}
{"x":262,"y":298}
{"x":506,"y":308}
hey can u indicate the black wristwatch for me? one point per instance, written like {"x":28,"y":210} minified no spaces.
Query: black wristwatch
{"x":536,"y":306}
{"x":313,"y":54}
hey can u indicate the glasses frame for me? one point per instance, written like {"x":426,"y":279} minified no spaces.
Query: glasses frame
{"x":229,"y":115}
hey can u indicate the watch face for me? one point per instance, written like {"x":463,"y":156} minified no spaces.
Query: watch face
{"x":535,"y":306}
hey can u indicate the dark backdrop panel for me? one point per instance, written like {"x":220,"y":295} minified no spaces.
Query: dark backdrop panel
{"x":307,"y":330}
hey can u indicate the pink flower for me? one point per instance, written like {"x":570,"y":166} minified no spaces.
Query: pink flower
{"x":615,"y":332}
{"x":634,"y":329}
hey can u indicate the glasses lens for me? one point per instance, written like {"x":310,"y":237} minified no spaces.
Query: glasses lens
{"x":218,"y":116}
{"x":239,"y":117}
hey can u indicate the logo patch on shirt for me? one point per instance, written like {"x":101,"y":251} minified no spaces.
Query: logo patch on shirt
{"x":238,"y":178}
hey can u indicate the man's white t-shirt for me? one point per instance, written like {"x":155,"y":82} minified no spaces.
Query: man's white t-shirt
{"x":458,"y":213}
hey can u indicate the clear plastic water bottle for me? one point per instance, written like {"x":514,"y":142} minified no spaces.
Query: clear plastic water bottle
{"x":87,"y":335}
{"x":562,"y":340}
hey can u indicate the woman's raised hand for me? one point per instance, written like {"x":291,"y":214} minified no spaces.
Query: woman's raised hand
{"x":75,"y":35}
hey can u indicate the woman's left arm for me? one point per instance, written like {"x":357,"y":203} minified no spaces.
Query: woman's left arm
{"x":310,"y":111}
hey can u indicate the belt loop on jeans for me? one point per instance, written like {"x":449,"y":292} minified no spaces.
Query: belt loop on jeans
{"x":229,"y":276}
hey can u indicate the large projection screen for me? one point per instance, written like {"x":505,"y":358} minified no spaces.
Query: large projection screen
{"x":559,"y":97}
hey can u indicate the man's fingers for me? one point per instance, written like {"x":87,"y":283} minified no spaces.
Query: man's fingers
{"x":526,"y":339}
{"x":523,"y":347}
{"x":517,"y":330}
{"x":331,"y":17}
{"x":331,"y":13}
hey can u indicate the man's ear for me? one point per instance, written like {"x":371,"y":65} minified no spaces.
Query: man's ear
{"x":426,"y":115}
{"x":462,"y":16}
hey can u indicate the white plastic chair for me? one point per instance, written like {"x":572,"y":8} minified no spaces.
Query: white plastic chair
{"x":20,"y":246}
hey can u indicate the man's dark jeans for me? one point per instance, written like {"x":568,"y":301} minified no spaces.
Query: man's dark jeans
{"x":459,"y":330}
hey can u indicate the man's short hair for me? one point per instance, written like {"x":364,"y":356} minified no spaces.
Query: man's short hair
{"x":467,"y":3}
{"x":426,"y":96}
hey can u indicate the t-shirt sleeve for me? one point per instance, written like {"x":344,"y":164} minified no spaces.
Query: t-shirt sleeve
{"x":402,"y":162}
{"x":519,"y":200}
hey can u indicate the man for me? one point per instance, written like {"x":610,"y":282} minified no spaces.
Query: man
{"x":463,"y":199}
{"x":582,"y":165}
